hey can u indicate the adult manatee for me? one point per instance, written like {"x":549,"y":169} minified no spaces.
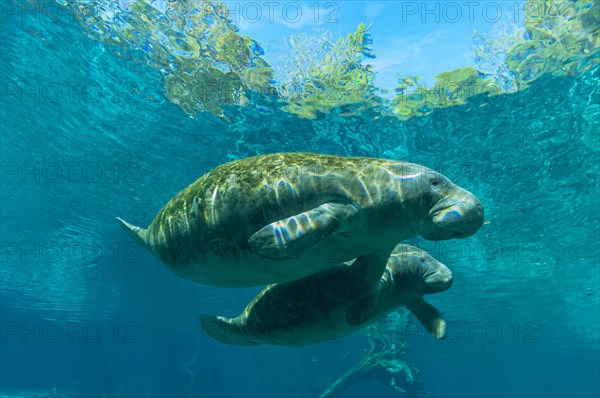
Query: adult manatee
{"x":322,"y":306}
{"x":280,"y":217}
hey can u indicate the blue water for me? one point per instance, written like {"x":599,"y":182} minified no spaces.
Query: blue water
{"x":87,"y":136}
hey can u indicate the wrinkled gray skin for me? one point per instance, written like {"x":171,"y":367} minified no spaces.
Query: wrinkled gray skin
{"x":323,"y":306}
{"x":280,"y":217}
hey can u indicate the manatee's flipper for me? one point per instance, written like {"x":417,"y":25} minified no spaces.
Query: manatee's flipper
{"x":429,"y":317}
{"x":363,"y":282}
{"x":224,"y":330}
{"x":361,"y":310}
{"x":285,"y":239}
{"x":367,"y":270}
{"x":138,"y":234}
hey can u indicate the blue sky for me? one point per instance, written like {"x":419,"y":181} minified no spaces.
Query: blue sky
{"x":409,"y":37}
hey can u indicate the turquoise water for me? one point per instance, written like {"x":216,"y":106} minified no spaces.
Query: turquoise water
{"x":87,"y":135}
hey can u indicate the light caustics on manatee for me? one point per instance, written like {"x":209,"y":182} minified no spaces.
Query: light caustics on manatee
{"x":240,"y":217}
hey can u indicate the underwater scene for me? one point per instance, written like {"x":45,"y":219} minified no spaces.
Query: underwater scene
{"x":300,"y":198}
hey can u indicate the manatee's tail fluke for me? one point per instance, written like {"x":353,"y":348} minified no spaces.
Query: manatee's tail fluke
{"x":138,"y":234}
{"x":224,"y":330}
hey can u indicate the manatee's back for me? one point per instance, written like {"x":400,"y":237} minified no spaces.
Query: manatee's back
{"x":219,"y":212}
{"x":299,"y":309}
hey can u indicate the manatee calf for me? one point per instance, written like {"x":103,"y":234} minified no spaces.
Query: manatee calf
{"x":321,"y":306}
{"x":280,"y":217}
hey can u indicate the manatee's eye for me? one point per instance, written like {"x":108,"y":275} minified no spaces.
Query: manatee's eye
{"x":435,"y":183}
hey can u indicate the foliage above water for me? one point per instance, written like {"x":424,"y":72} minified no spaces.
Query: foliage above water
{"x":334,"y":78}
{"x":452,"y":88}
{"x":206,"y":63}
{"x":561,"y":38}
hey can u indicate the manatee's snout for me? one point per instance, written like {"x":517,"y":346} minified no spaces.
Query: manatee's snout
{"x":460,"y":217}
{"x":438,"y":280}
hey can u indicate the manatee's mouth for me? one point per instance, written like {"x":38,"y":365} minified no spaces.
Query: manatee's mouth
{"x":437,"y":281}
{"x":458,"y":218}
{"x":447,"y":217}
{"x":438,"y":208}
